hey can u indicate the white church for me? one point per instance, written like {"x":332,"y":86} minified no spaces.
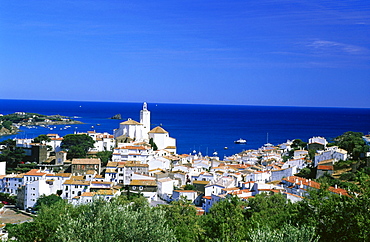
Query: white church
{"x":141,"y":132}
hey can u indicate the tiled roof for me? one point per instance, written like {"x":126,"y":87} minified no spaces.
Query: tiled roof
{"x":34,"y":172}
{"x":131,"y":122}
{"x":322,"y":167}
{"x":76,"y":182}
{"x":184,"y":191}
{"x":85,"y":161}
{"x":143,"y":183}
{"x":158,"y":130}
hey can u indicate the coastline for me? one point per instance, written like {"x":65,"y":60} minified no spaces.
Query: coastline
{"x":16,"y":128}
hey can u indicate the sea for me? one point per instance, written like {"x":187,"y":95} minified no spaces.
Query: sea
{"x":204,"y":129}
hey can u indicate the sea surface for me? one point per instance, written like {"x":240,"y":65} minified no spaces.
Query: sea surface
{"x":201,"y":128}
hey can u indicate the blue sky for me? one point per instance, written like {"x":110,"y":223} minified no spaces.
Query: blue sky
{"x":267,"y":52}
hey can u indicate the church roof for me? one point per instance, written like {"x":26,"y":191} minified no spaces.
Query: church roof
{"x":158,"y":129}
{"x":131,"y":122}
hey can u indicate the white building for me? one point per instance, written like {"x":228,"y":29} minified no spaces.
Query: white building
{"x":331,"y":153}
{"x":135,"y":130}
{"x":131,"y":153}
{"x":162,"y":139}
{"x":318,"y":140}
{"x":165,"y":188}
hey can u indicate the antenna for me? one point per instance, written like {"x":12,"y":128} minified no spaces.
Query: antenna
{"x":267,"y":138}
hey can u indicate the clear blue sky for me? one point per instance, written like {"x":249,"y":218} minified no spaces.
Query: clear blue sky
{"x":266,"y":52}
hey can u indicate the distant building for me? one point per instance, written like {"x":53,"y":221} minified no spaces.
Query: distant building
{"x":81,"y":166}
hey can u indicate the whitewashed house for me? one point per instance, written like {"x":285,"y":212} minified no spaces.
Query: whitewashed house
{"x":165,"y":188}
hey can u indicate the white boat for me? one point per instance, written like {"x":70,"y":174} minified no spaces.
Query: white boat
{"x":240,"y":141}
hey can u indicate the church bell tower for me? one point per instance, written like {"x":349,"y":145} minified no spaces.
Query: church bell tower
{"x":145,"y":120}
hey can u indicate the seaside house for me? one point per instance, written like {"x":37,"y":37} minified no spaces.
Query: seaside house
{"x":162,"y":139}
{"x":333,"y":152}
{"x":131,"y":153}
{"x":81,"y":166}
{"x":165,"y":188}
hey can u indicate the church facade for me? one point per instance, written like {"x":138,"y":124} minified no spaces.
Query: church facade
{"x":140,"y":131}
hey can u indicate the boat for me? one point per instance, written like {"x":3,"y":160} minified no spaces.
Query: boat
{"x":240,"y":141}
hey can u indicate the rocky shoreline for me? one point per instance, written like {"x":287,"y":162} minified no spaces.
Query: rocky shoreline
{"x":15,"y":128}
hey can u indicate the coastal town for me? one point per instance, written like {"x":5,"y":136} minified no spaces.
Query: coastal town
{"x":144,"y":160}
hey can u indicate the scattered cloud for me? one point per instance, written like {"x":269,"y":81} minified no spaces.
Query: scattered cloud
{"x":336,"y":47}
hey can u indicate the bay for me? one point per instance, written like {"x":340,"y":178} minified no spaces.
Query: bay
{"x":203,"y":128}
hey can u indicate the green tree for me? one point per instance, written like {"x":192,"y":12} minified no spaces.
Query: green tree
{"x":152,"y":144}
{"x":270,"y":210}
{"x":96,"y":221}
{"x":299,"y":144}
{"x":335,"y":217}
{"x":353,"y":143}
{"x":104,"y":156}
{"x":286,"y":233}
{"x":47,"y":201}
{"x":41,"y":138}
{"x":189,"y":187}
{"x":11,"y":154}
{"x":77,"y":145}
{"x":226,"y":221}
{"x":183,"y":220}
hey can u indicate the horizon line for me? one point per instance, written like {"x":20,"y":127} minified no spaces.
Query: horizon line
{"x":213,"y":104}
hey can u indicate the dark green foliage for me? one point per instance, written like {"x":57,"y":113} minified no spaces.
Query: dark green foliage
{"x":307,"y":172}
{"x":353,"y":143}
{"x":183,"y":220}
{"x":226,"y":221}
{"x":152,"y":144}
{"x":7,"y":125}
{"x":270,"y":210}
{"x":47,"y":201}
{"x":336,"y":218}
{"x":11,"y":154}
{"x":299,"y":144}
{"x":104,"y":156}
{"x":8,"y":198}
{"x":189,"y":187}
{"x":348,"y":176}
{"x":41,"y":138}
{"x":97,"y":221}
{"x":77,"y":145}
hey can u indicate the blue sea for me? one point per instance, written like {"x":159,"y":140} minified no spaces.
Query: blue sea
{"x":203,"y":128}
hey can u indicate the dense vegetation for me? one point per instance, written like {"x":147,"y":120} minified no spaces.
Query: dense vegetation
{"x":77,"y":145}
{"x":25,"y":117}
{"x":323,"y":216}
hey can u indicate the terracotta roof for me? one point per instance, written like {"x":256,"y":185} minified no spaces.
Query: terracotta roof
{"x":322,"y":167}
{"x":201,"y":182}
{"x":137,"y":165}
{"x":76,"y":182}
{"x":85,"y":161}
{"x":143,"y":183}
{"x":132,"y":148}
{"x":158,"y":130}
{"x":88,"y":194}
{"x":184,"y":191}
{"x":101,"y":182}
{"x":34,"y":172}
{"x":131,"y":122}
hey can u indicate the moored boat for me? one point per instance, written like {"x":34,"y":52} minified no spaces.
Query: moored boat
{"x":240,"y":141}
